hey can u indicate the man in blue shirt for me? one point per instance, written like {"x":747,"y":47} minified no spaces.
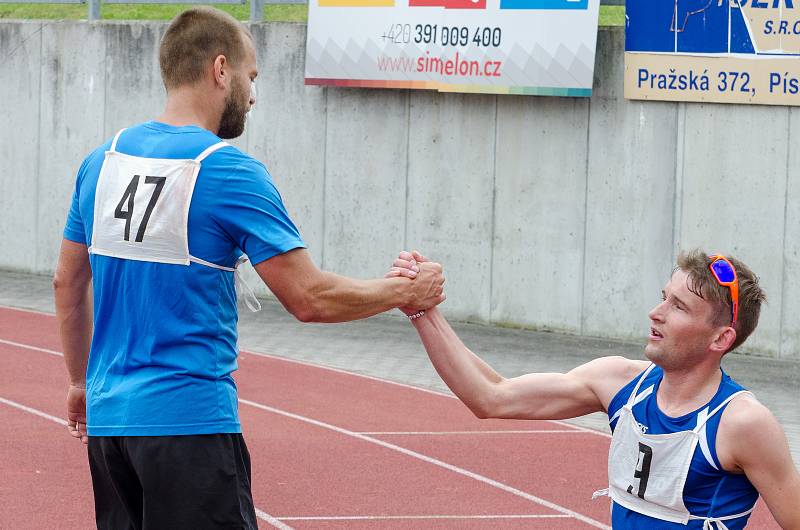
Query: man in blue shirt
{"x":161,"y":216}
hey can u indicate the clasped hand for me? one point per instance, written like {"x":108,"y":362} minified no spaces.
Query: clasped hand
{"x":428,"y":280}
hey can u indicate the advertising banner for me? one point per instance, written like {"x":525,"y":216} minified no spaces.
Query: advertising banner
{"x":727,"y":51}
{"x":537,"y":47}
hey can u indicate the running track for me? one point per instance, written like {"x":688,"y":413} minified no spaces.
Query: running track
{"x":329,"y":449}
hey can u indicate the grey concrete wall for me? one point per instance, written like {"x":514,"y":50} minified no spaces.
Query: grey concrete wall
{"x":551,"y":213}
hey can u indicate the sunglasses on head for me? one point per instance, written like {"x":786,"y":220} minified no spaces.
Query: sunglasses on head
{"x":725,"y":274}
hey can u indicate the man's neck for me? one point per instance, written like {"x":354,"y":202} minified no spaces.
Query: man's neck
{"x":185,"y":107}
{"x":684,"y":391}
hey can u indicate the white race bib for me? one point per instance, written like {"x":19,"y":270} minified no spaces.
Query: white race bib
{"x":141,"y":207}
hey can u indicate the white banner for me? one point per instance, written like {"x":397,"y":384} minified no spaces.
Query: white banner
{"x":538,"y":47}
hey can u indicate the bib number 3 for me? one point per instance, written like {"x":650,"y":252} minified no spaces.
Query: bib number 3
{"x":642,"y":471}
{"x":125,"y":207}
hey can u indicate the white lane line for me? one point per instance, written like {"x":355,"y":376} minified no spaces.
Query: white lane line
{"x":448,"y":433}
{"x":355,"y":374}
{"x":34,"y":348}
{"x":582,"y":429}
{"x":345,"y":372}
{"x":264,"y":516}
{"x":414,"y":454}
{"x":39,"y":413}
{"x":419,"y":517}
{"x":34,"y":311}
{"x":403,"y":385}
{"x":430,"y":460}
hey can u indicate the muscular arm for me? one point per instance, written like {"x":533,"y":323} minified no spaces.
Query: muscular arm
{"x":74,"y":315}
{"x":751,"y":440}
{"x":587,"y":388}
{"x":312,"y":295}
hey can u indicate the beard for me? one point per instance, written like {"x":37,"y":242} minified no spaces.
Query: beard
{"x":234,"y":115}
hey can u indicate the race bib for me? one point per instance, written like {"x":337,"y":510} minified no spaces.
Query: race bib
{"x":141,"y":208}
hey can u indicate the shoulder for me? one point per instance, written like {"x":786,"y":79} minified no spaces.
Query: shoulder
{"x":744,"y":414}
{"x":237,"y":171}
{"x":240,"y":169}
{"x":614,"y":366}
{"x":746,"y":430}
{"x":232,"y":157}
{"x":608,"y":375}
{"x":99,"y":153}
{"x":93,"y":160}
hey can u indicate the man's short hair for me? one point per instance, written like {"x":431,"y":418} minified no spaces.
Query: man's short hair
{"x":194,"y":39}
{"x":696,"y":263}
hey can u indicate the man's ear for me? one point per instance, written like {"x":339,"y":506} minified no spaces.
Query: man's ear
{"x":723,"y":340}
{"x":221,"y":71}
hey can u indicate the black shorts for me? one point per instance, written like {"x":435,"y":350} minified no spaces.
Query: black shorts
{"x":171,"y":482}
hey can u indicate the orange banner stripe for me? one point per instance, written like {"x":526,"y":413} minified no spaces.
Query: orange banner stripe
{"x":356,"y":3}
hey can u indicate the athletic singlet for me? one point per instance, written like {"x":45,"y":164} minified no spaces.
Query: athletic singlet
{"x":663,"y":453}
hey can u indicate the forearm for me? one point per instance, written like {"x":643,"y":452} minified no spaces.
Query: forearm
{"x":74,"y":315}
{"x":489,"y":395}
{"x":468,"y":376}
{"x":335,"y":298}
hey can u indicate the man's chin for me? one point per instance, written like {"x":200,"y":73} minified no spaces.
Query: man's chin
{"x":230,"y":134}
{"x":652,"y":353}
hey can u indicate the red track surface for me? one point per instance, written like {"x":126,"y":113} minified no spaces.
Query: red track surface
{"x":312,"y":466}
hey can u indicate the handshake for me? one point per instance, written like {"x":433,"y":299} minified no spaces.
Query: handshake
{"x":427,"y":290}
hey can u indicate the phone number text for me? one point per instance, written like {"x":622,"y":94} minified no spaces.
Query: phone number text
{"x":487,"y":37}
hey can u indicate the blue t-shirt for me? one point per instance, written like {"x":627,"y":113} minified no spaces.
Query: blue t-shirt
{"x":709,"y":490}
{"x":164,"y":343}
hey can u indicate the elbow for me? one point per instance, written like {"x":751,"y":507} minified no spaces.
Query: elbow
{"x":489,"y":404}
{"x":59,"y":283}
{"x":481,"y":413}
{"x":305,"y":311}
{"x":484,"y":408}
{"x":305,"y":316}
{"x":64,"y":282}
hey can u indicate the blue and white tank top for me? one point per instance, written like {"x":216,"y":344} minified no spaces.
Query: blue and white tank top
{"x":709,"y":490}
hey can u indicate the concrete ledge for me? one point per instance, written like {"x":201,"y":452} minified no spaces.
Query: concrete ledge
{"x":548,"y":213}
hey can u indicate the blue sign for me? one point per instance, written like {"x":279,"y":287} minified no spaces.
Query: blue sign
{"x":544,"y":4}
{"x":686,"y":26}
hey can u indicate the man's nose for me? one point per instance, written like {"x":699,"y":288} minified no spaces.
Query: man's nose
{"x":657,"y":312}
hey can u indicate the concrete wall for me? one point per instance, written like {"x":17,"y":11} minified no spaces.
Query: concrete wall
{"x":550,"y":213}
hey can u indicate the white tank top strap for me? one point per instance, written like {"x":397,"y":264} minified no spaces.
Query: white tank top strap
{"x":114,"y":142}
{"x":202,"y":156}
{"x":242,"y":286}
{"x":718,"y":523}
{"x":702,"y":420}
{"x":632,"y":398}
{"x":639,"y":398}
{"x":199,"y":261}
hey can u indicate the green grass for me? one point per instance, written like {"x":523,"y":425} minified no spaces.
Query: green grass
{"x":612,"y":15}
{"x":609,"y":15}
{"x":273,"y":12}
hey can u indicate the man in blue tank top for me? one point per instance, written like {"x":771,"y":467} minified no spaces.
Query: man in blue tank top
{"x":161,"y":217}
{"x":690,"y":447}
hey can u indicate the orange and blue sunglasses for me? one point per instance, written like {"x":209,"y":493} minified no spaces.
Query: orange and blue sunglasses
{"x":725,"y":274}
